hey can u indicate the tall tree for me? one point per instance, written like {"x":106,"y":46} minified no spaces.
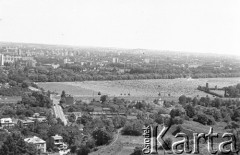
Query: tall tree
{"x":15,"y":145}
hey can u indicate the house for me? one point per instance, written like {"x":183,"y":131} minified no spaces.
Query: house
{"x":39,"y":118}
{"x":6,"y":122}
{"x":10,"y":99}
{"x":38,"y":142}
{"x":34,"y":89}
{"x":57,"y":141}
{"x":24,"y":123}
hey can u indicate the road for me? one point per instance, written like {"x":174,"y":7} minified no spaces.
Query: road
{"x":58,"y":111}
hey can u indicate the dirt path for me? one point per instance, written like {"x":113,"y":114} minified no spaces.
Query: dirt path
{"x":104,"y":149}
{"x":118,"y":132}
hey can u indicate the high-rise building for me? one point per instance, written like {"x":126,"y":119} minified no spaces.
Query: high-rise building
{"x":115,"y":60}
{"x":1,"y":59}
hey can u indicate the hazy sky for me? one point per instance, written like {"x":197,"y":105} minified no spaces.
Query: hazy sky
{"x":183,"y":25}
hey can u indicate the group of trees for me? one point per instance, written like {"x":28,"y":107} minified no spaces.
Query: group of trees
{"x":233,"y":91}
{"x":15,"y":144}
{"x":209,"y":111}
{"x":74,"y":73}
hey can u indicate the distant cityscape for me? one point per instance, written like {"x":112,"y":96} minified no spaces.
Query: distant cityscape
{"x":117,"y":61}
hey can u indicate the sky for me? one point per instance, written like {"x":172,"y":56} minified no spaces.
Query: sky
{"x":179,"y":25}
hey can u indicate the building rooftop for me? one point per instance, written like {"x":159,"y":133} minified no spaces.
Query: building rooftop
{"x":34,"y":140}
{"x":57,"y":137}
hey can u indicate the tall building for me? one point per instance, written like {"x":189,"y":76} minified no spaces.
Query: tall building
{"x":115,"y":60}
{"x":1,"y":59}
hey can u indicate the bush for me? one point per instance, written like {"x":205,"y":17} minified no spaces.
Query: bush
{"x":201,"y":118}
{"x":182,"y":100}
{"x":211,"y":121}
{"x":190,"y":111}
{"x":175,"y":112}
{"x":232,"y":125}
{"x":83,"y":150}
{"x":133,"y":128}
{"x":204,"y":119}
{"x":137,"y":151}
{"x":119,"y":121}
{"x":101,"y":136}
{"x":177,"y":120}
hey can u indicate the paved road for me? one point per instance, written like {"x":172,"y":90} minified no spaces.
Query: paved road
{"x":58,"y":111}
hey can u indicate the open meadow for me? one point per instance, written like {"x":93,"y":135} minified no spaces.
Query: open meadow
{"x":138,"y":89}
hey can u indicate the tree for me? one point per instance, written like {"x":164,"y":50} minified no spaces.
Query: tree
{"x":83,"y":150}
{"x":63,"y":95}
{"x":195,"y":101}
{"x":84,"y":119}
{"x":133,"y":128}
{"x":101,"y":136}
{"x":175,"y":112}
{"x":201,"y":118}
{"x":236,"y":115}
{"x":182,"y":99}
{"x":72,"y":118}
{"x":14,"y":144}
{"x":137,"y":151}
{"x":25,"y":84}
{"x":103,"y":98}
{"x":12,"y":83}
{"x":190,"y":111}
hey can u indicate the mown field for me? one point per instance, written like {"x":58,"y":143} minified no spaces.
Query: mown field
{"x":138,"y":89}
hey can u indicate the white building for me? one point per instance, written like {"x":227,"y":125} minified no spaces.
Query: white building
{"x":57,"y":141}
{"x":115,"y":60}
{"x":38,"y":142}
{"x":6,"y":122}
{"x":11,"y":58}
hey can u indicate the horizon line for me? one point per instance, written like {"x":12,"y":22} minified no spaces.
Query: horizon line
{"x":124,"y":48}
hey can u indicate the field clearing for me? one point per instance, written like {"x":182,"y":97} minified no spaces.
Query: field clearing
{"x":140,"y":89}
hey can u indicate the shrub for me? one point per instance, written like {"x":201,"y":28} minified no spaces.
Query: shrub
{"x":101,"y":136}
{"x":177,"y":120}
{"x":175,"y":112}
{"x":133,"y":128}
{"x":201,"y":118}
{"x":190,"y":111}
{"x":137,"y":151}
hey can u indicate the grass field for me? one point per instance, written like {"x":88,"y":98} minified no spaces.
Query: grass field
{"x":138,"y":89}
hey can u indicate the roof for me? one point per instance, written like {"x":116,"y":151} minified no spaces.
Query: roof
{"x":57,"y":137}
{"x":26,"y":121}
{"x":6,"y":119}
{"x":34,"y":140}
